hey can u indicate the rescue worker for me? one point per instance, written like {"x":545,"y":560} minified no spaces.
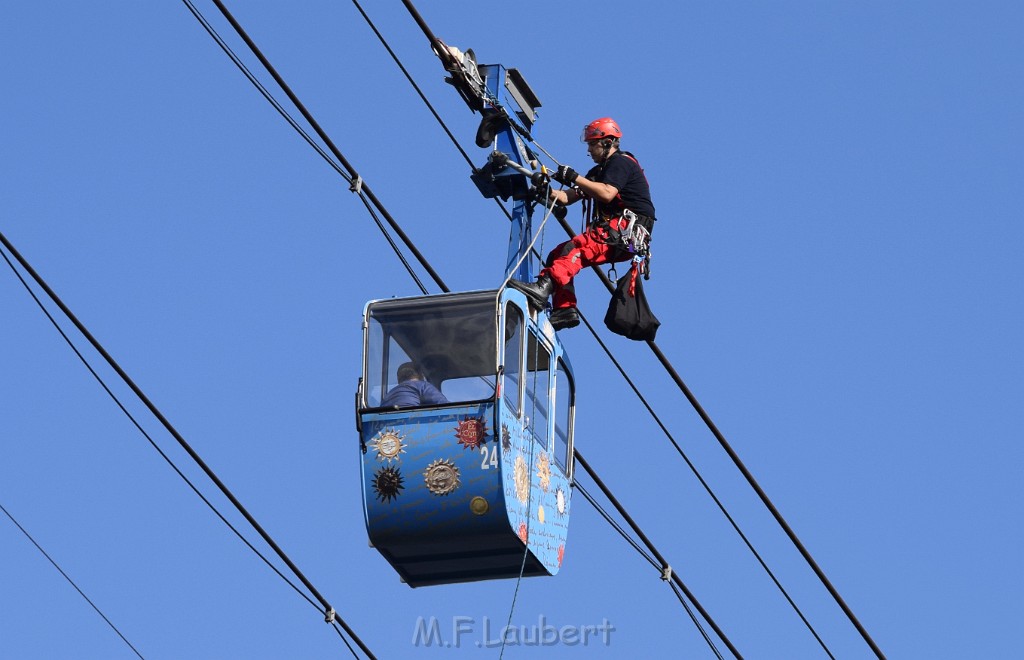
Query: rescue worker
{"x":618,"y":190}
{"x":412,"y":389}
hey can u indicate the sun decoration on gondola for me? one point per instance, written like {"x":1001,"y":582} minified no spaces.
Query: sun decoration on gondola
{"x":522,"y":478}
{"x":544,"y":471}
{"x":506,"y":438}
{"x":387,"y":483}
{"x":388,"y":445}
{"x":471,"y":432}
{"x":441,"y":477}
{"x":561,"y":554}
{"x":524,"y":533}
{"x":560,"y":500}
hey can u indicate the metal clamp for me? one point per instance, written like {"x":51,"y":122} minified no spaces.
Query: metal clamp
{"x":357,"y":185}
{"x":329,"y":615}
{"x":666,"y":573}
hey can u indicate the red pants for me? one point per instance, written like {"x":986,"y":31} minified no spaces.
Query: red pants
{"x":568,"y":259}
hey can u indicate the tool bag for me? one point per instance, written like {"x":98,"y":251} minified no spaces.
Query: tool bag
{"x":629,"y":314}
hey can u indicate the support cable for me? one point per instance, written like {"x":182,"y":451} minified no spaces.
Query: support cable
{"x":654,"y":551}
{"x":670,"y":370}
{"x":412,"y":82}
{"x":70,"y":581}
{"x":355,"y":185}
{"x":696,"y":622}
{"x":708,"y":489}
{"x":615,"y":525}
{"x":149,"y":438}
{"x":330,"y":143}
{"x":180,"y":439}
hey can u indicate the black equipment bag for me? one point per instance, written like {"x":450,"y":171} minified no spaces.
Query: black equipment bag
{"x":629,"y":314}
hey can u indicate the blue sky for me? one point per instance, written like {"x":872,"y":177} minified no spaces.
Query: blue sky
{"x":836,"y":269}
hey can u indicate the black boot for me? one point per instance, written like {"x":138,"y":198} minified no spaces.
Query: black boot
{"x":566,"y":317}
{"x":536,"y":292}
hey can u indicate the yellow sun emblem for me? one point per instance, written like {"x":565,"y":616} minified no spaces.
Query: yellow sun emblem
{"x":544,"y":471}
{"x":522,"y":477}
{"x":388,"y":445}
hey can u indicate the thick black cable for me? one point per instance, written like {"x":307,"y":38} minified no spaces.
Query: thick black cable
{"x":696,"y":622}
{"x":765,"y":499}
{"x":708,"y":489}
{"x":667,"y":365}
{"x":629,"y":539}
{"x":654,"y":551}
{"x":412,"y":82}
{"x":327,"y":609}
{"x":70,"y":581}
{"x":330,"y":144}
{"x":305,"y":136}
{"x":615,"y":524}
{"x":117,"y":401}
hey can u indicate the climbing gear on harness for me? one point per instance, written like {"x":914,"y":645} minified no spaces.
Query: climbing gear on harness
{"x":565,"y":317}
{"x":538,"y":292}
{"x":636,"y":236}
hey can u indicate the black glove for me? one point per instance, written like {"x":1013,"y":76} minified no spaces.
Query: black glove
{"x":565,"y":175}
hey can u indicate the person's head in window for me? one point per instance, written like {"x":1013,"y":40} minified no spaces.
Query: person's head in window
{"x":409,"y":371}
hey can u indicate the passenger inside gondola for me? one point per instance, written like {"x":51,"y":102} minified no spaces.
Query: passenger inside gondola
{"x":412,"y":390}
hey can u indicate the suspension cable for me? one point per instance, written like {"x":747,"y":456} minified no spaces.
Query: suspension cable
{"x":328,"y":611}
{"x":117,"y":401}
{"x":710,"y":491}
{"x":355,"y":185}
{"x":674,"y":577}
{"x":615,"y":525}
{"x":70,"y":581}
{"x":330,"y":143}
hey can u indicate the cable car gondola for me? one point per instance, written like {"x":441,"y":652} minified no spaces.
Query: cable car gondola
{"x":478,"y":487}
{"x":474,"y":484}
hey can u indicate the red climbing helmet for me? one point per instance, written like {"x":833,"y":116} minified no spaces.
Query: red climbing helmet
{"x":604,"y":127}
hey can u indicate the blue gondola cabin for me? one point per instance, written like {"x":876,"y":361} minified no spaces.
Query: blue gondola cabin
{"x":478,"y":487}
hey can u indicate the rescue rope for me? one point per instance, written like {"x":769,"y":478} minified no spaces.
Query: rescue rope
{"x":529,"y":248}
{"x":529,"y":497}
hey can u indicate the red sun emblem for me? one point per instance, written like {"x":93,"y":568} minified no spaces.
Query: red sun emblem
{"x":471,"y":432}
{"x":561,"y":554}
{"x":524,"y":535}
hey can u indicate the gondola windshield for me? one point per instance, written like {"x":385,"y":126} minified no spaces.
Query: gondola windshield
{"x":452,"y":341}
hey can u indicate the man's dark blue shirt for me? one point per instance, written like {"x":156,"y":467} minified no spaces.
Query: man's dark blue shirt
{"x":413,"y":393}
